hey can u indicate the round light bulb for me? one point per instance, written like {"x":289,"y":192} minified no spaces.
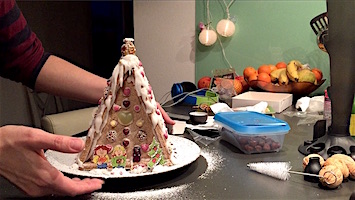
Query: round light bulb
{"x":225,"y":28}
{"x":207,"y":37}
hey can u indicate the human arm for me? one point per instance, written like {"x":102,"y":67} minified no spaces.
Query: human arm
{"x":62,"y":78}
{"x":21,"y":150}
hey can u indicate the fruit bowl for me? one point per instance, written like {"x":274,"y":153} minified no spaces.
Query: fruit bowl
{"x":296,"y":88}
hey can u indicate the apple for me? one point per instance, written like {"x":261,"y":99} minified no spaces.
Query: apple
{"x":244,"y":83}
{"x":318,"y":73}
{"x":204,"y":82}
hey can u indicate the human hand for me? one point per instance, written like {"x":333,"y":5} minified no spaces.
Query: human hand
{"x":165,"y":115}
{"x":23,"y":163}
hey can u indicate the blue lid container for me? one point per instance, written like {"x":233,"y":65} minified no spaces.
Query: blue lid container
{"x":252,"y":132}
{"x":249,"y":123}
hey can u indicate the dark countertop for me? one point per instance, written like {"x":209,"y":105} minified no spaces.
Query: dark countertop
{"x":219,"y":173}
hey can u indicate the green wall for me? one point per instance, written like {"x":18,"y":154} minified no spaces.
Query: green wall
{"x":269,"y":32}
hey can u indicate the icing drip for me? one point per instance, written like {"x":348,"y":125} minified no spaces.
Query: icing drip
{"x":98,"y":118}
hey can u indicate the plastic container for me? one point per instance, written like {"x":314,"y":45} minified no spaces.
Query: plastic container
{"x":252,"y":132}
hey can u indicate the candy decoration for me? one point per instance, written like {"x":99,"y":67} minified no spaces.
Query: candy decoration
{"x":144,"y":147}
{"x":125,"y":117}
{"x":137,"y":108}
{"x":113,"y":123}
{"x":116,"y":107}
{"x":126,"y":103}
{"x":106,"y":92}
{"x":111,"y":136}
{"x":136,"y":154}
{"x":141,"y":135}
{"x":140,"y":123}
{"x":100,"y":157}
{"x":119,"y":156}
{"x":155,"y":153}
{"x":125,"y":142}
{"x":127,"y":91}
{"x":126,"y":130}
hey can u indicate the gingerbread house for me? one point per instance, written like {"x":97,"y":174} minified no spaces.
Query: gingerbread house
{"x":127,"y":129}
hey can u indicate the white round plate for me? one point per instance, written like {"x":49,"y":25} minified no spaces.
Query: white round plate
{"x":185,"y":152}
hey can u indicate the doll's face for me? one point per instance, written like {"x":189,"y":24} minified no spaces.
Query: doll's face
{"x":101,"y":152}
{"x":118,"y":153}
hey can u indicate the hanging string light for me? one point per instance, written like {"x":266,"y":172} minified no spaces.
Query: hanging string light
{"x":207,"y":35}
{"x":226,"y":27}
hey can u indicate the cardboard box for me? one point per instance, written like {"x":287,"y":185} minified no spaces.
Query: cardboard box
{"x":278,"y":101}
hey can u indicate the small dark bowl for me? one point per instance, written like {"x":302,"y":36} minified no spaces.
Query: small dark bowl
{"x":198,"y":117}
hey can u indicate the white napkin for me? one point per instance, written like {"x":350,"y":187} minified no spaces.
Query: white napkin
{"x":259,"y":107}
{"x":303,"y":103}
{"x":307,"y":104}
{"x":220,"y":107}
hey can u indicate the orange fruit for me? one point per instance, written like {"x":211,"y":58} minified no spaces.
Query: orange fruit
{"x":248,"y":71}
{"x":264,"y":68}
{"x":280,"y":65}
{"x":263,"y":76}
{"x":204,"y":82}
{"x":318,"y":73}
{"x":244,"y":83}
{"x":272,"y":67}
{"x":253,"y":77}
{"x":238,"y":86}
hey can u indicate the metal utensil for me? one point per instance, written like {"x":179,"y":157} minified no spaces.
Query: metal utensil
{"x":319,"y":25}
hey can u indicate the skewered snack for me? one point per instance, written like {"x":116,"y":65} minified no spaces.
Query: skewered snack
{"x":338,"y":163}
{"x":331,"y":176}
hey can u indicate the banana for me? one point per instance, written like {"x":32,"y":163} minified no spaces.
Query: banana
{"x":276,"y":74}
{"x":306,"y":75}
{"x":283,"y":79}
{"x":291,"y":70}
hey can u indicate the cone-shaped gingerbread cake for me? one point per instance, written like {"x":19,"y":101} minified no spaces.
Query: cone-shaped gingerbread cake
{"x":127,"y":129}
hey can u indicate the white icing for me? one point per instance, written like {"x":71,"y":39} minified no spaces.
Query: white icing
{"x":160,"y":168}
{"x":138,"y":169}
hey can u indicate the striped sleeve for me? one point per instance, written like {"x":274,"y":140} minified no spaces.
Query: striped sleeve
{"x":21,"y":53}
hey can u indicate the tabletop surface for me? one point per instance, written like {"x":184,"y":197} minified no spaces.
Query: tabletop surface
{"x":219,"y":173}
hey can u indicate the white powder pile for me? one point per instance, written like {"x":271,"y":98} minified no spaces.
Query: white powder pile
{"x":214,"y":162}
{"x":165,"y":193}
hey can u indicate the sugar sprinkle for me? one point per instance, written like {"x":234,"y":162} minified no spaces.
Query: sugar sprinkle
{"x":214,"y":162}
{"x":165,"y":193}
